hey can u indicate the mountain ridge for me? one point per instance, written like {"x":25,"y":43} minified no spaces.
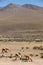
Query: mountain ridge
{"x":29,"y":6}
{"x":33,"y":7}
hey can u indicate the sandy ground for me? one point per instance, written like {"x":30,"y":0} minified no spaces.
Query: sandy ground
{"x":18,"y":62}
{"x":15,"y":47}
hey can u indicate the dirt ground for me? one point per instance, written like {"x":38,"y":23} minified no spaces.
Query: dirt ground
{"x":24,"y":48}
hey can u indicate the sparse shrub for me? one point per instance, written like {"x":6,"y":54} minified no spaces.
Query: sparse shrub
{"x":38,"y":40}
{"x":41,"y":55}
{"x":31,"y":55}
{"x":9,"y":40}
{"x":22,"y":48}
{"x":1,"y":40}
{"x":36,"y":55}
{"x":27,"y":47}
{"x":36,"y":47}
{"x":41,"y":48}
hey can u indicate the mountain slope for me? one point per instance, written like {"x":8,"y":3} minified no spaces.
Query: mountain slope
{"x":33,"y":7}
{"x":13,"y":14}
{"x":16,"y":20}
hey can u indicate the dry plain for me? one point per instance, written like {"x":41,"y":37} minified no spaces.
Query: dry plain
{"x":25,"y":48}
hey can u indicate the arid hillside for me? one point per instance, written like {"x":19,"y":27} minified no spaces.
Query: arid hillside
{"x":20,"y":22}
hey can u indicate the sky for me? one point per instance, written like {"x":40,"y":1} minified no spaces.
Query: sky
{"x":34,"y":2}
